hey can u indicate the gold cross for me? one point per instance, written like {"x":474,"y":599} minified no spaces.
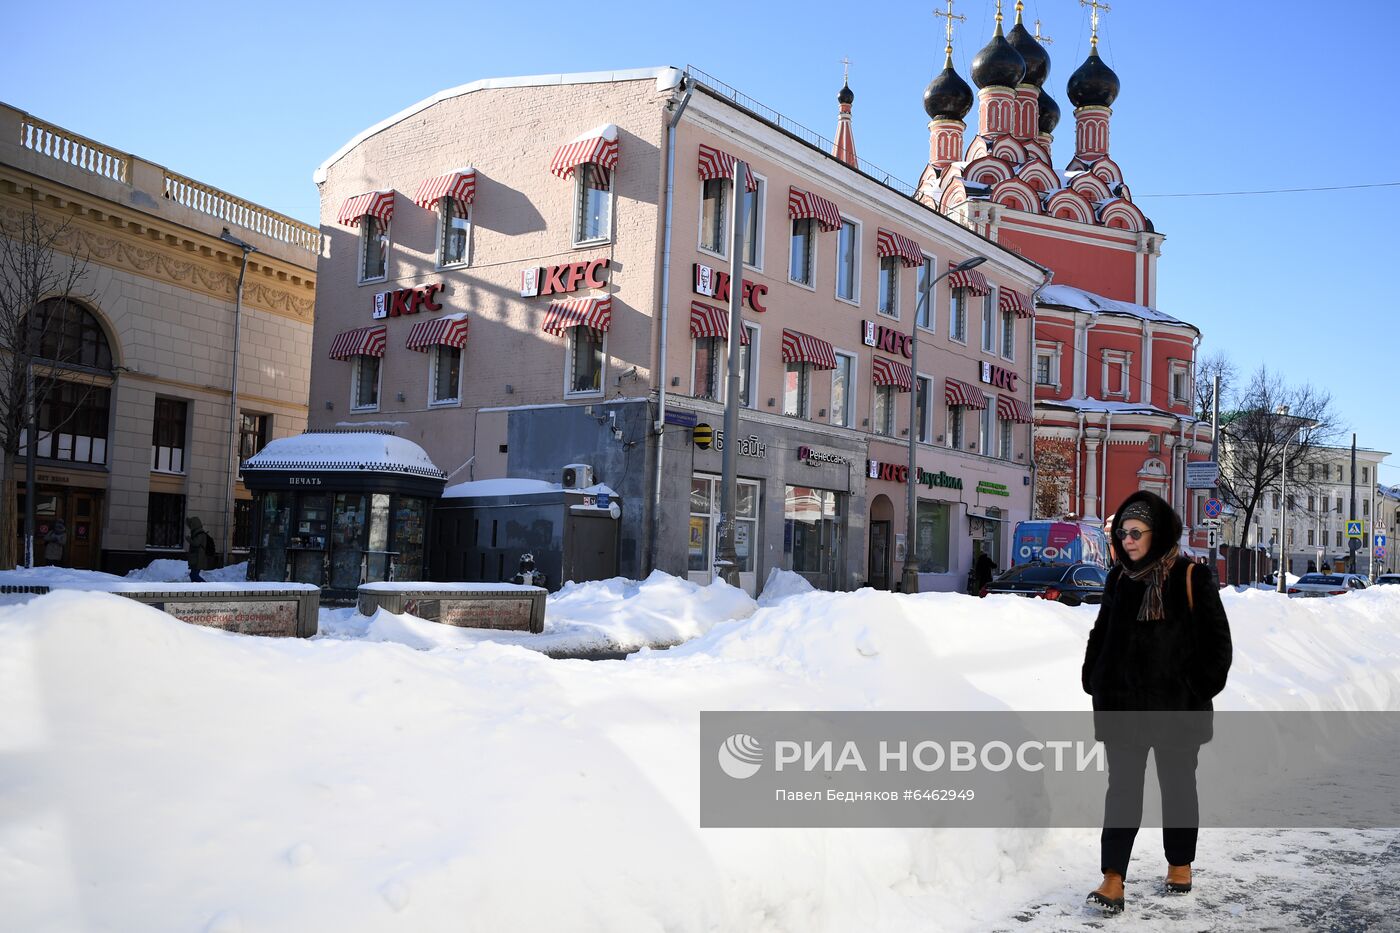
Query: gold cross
{"x":1043,"y":40}
{"x":950,"y":16}
{"x":1094,"y":19}
{"x":998,"y":14}
{"x":847,"y":76}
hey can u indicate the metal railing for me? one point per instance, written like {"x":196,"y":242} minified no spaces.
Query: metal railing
{"x":789,"y":125}
{"x":72,"y":149}
{"x":234,"y":210}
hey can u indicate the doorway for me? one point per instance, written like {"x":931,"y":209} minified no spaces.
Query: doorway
{"x":79,"y":509}
{"x":881,"y":522}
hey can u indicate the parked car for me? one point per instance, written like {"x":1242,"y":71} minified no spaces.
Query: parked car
{"x":1071,"y":584}
{"x":1385,"y":578}
{"x":1327,"y":584}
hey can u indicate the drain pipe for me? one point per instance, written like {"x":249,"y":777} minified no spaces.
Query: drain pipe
{"x":659,"y":427}
{"x":1030,"y":357}
{"x":1079,"y":467}
{"x":1103,"y":464}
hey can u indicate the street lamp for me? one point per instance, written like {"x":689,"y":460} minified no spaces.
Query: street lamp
{"x":909,"y":579}
{"x":247,"y":248}
{"x":1282,"y":411}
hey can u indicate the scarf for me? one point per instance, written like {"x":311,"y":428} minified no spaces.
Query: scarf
{"x":1153,"y":575}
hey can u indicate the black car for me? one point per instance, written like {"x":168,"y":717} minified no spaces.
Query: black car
{"x":1071,"y":584}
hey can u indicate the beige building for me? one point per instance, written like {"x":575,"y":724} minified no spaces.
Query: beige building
{"x":145,"y":442}
{"x":522,"y":274}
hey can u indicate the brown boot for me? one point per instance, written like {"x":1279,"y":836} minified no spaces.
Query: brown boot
{"x":1178,"y":878}
{"x":1109,"y":896}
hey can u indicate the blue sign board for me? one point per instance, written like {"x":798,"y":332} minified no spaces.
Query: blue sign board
{"x":686,"y":419}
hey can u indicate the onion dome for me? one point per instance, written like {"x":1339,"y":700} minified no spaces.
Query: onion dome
{"x":1032,"y":52}
{"x":1049,"y":113}
{"x":845,"y":95}
{"x":998,"y":64}
{"x":947,"y":95}
{"x":1093,"y":83}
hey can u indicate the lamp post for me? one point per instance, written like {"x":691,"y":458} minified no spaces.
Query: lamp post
{"x":1282,"y":411}
{"x":247,"y":248}
{"x":909,"y":579}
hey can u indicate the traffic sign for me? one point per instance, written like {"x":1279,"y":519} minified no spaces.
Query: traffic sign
{"x":1380,"y":553}
{"x":1211,"y":539}
{"x":1210,"y":523}
{"x":1379,"y":539}
{"x":1202,"y":474}
{"x":1214,"y":507}
{"x":1356,"y":529}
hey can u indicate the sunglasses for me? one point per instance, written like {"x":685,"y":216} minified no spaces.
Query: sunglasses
{"x":1134,"y":533}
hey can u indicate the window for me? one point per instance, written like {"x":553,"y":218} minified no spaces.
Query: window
{"x":714,"y":213}
{"x":585,"y":361}
{"x":455,"y":221}
{"x":989,"y":326}
{"x":365,"y":391}
{"x":447,"y":376}
{"x":1365,"y":508}
{"x":923,"y":388}
{"x":374,"y":248}
{"x":1311,"y":470}
{"x":986,"y":426}
{"x":252,"y":434}
{"x":1339,"y":539}
{"x":1365,"y":474}
{"x":1008,"y":335}
{"x":746,"y":358}
{"x":1181,"y":387}
{"x":1339,"y":472}
{"x":165,"y":521}
{"x":955,"y":426}
{"x":1275,"y":500}
{"x":593,"y":215}
{"x":797,"y":389}
{"x":804,"y":233}
{"x":242,"y":524}
{"x":847,"y":255}
{"x":1005,"y":436}
{"x":842,"y":389}
{"x":67,"y":333}
{"x":882,"y":421}
{"x":168,"y":436}
{"x":889,"y":286}
{"x":705,"y":380}
{"x":1310,"y":537}
{"x":753,"y":225}
{"x":933,"y":528}
{"x":72,"y":422}
{"x":1047,"y":368}
{"x":1310,"y":504}
{"x":1290,"y":503}
{"x":1117,"y":365}
{"x":1339,"y":505}
{"x":812,"y":536}
{"x":704,"y":519}
{"x":957,"y":316}
{"x":924,"y":317}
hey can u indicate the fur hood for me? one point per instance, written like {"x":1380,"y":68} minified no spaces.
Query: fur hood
{"x":1166,"y":527}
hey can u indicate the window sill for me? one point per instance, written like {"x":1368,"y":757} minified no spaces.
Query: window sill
{"x":588,"y":244}
{"x":810,"y":286}
{"x":170,"y":472}
{"x":375,"y":281}
{"x":447,"y":266}
{"x":446,"y":403}
{"x":167,"y":550}
{"x":853,"y":302}
{"x":591,"y":393}
{"x":892,"y":315}
{"x":960,"y":342}
{"x":722,"y":255}
{"x":361,"y":411}
{"x":930,"y":328}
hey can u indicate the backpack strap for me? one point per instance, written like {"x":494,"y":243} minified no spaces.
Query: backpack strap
{"x":1190,"y":595}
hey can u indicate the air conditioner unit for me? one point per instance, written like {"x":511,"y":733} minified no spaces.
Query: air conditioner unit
{"x":578,"y":476}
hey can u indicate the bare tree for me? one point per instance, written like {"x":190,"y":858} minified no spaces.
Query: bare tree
{"x":1216,"y":364}
{"x":35,"y":270}
{"x":1052,"y":476}
{"x":1254,"y":436}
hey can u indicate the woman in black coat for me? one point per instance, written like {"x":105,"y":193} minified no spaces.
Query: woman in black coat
{"x":1161,"y":643}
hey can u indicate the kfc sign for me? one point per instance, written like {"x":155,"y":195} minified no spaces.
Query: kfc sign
{"x":715,"y":284}
{"x":999,"y":377}
{"x":403,"y":301}
{"x":566,"y":277}
{"x":886,"y":338}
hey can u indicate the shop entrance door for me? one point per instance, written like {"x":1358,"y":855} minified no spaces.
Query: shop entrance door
{"x":79,"y":509}
{"x":879,"y":573}
{"x":84,"y":530}
{"x":703,"y":536}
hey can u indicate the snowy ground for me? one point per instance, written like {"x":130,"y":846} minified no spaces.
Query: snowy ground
{"x":391,"y":775}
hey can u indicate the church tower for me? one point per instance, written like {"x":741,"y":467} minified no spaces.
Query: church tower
{"x":845,"y":145}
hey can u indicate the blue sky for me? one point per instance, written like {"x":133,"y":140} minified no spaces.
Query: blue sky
{"x":252,"y":96}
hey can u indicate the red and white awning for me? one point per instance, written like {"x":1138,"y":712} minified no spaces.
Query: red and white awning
{"x":889,"y":243}
{"x":447,"y":331}
{"x":963,"y":395}
{"x":804,"y":348}
{"x":593,"y":313}
{"x":803,"y":204}
{"x":460,"y":186}
{"x":975,"y":282}
{"x":886,"y":372}
{"x":362,"y":341}
{"x":1013,"y":409}
{"x":1008,"y":299}
{"x":709,"y":321}
{"x":598,"y":146}
{"x":377,"y":204}
{"x":714,"y":163}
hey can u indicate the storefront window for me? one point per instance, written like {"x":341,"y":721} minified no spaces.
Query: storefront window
{"x":274,"y":525}
{"x":377,"y":548}
{"x":933,"y":528}
{"x":242,"y":524}
{"x":698,"y":549}
{"x":409,"y":521}
{"x":347,"y":540}
{"x":812,"y":528}
{"x":705,"y":494}
{"x":308,"y":540}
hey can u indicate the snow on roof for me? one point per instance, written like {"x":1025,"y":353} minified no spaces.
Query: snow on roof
{"x":365,"y":451}
{"x":1078,"y":403}
{"x":1078,"y":299}
{"x":606,"y":130}
{"x":515,"y":486}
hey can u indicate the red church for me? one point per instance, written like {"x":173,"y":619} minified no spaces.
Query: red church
{"x":1114,"y":397}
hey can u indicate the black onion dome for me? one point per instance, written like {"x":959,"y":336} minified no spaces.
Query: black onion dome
{"x":998,"y":64}
{"x":947,"y":95}
{"x":1093,"y":83}
{"x":1032,"y":53}
{"x":845,"y":95}
{"x":1049,"y":113}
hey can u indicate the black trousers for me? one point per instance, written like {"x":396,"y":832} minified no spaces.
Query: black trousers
{"x":1176,"y":774}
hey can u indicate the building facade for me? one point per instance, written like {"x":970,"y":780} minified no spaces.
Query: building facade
{"x":524,"y":274}
{"x":134,"y":435}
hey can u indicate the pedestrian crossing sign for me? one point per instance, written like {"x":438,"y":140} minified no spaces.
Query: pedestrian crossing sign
{"x":1354,"y":530}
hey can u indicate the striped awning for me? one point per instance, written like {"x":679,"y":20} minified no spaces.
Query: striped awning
{"x":970,"y":279}
{"x":886,"y":372}
{"x":806,"y":204}
{"x":1013,"y":409}
{"x":888,"y":243}
{"x":377,"y":204}
{"x":804,"y":348}
{"x":962,"y":395}
{"x":598,"y":146}
{"x":460,"y":186}
{"x":709,"y":321}
{"x":362,"y":341}
{"x":716,"y":164}
{"x":447,"y":331}
{"x":1008,"y":299}
{"x":593,"y":313}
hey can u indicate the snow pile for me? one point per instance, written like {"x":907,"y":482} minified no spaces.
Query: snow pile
{"x":781,"y":585}
{"x":167,"y":570}
{"x":160,"y":776}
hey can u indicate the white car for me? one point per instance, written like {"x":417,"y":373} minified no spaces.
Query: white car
{"x":1387,"y":578}
{"x":1327,"y":584}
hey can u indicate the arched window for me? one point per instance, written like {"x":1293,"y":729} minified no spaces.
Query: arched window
{"x":73,"y":415}
{"x":65,"y":333}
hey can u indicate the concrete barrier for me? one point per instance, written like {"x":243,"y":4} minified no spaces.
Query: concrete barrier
{"x":287,"y":610}
{"x":468,"y":605}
